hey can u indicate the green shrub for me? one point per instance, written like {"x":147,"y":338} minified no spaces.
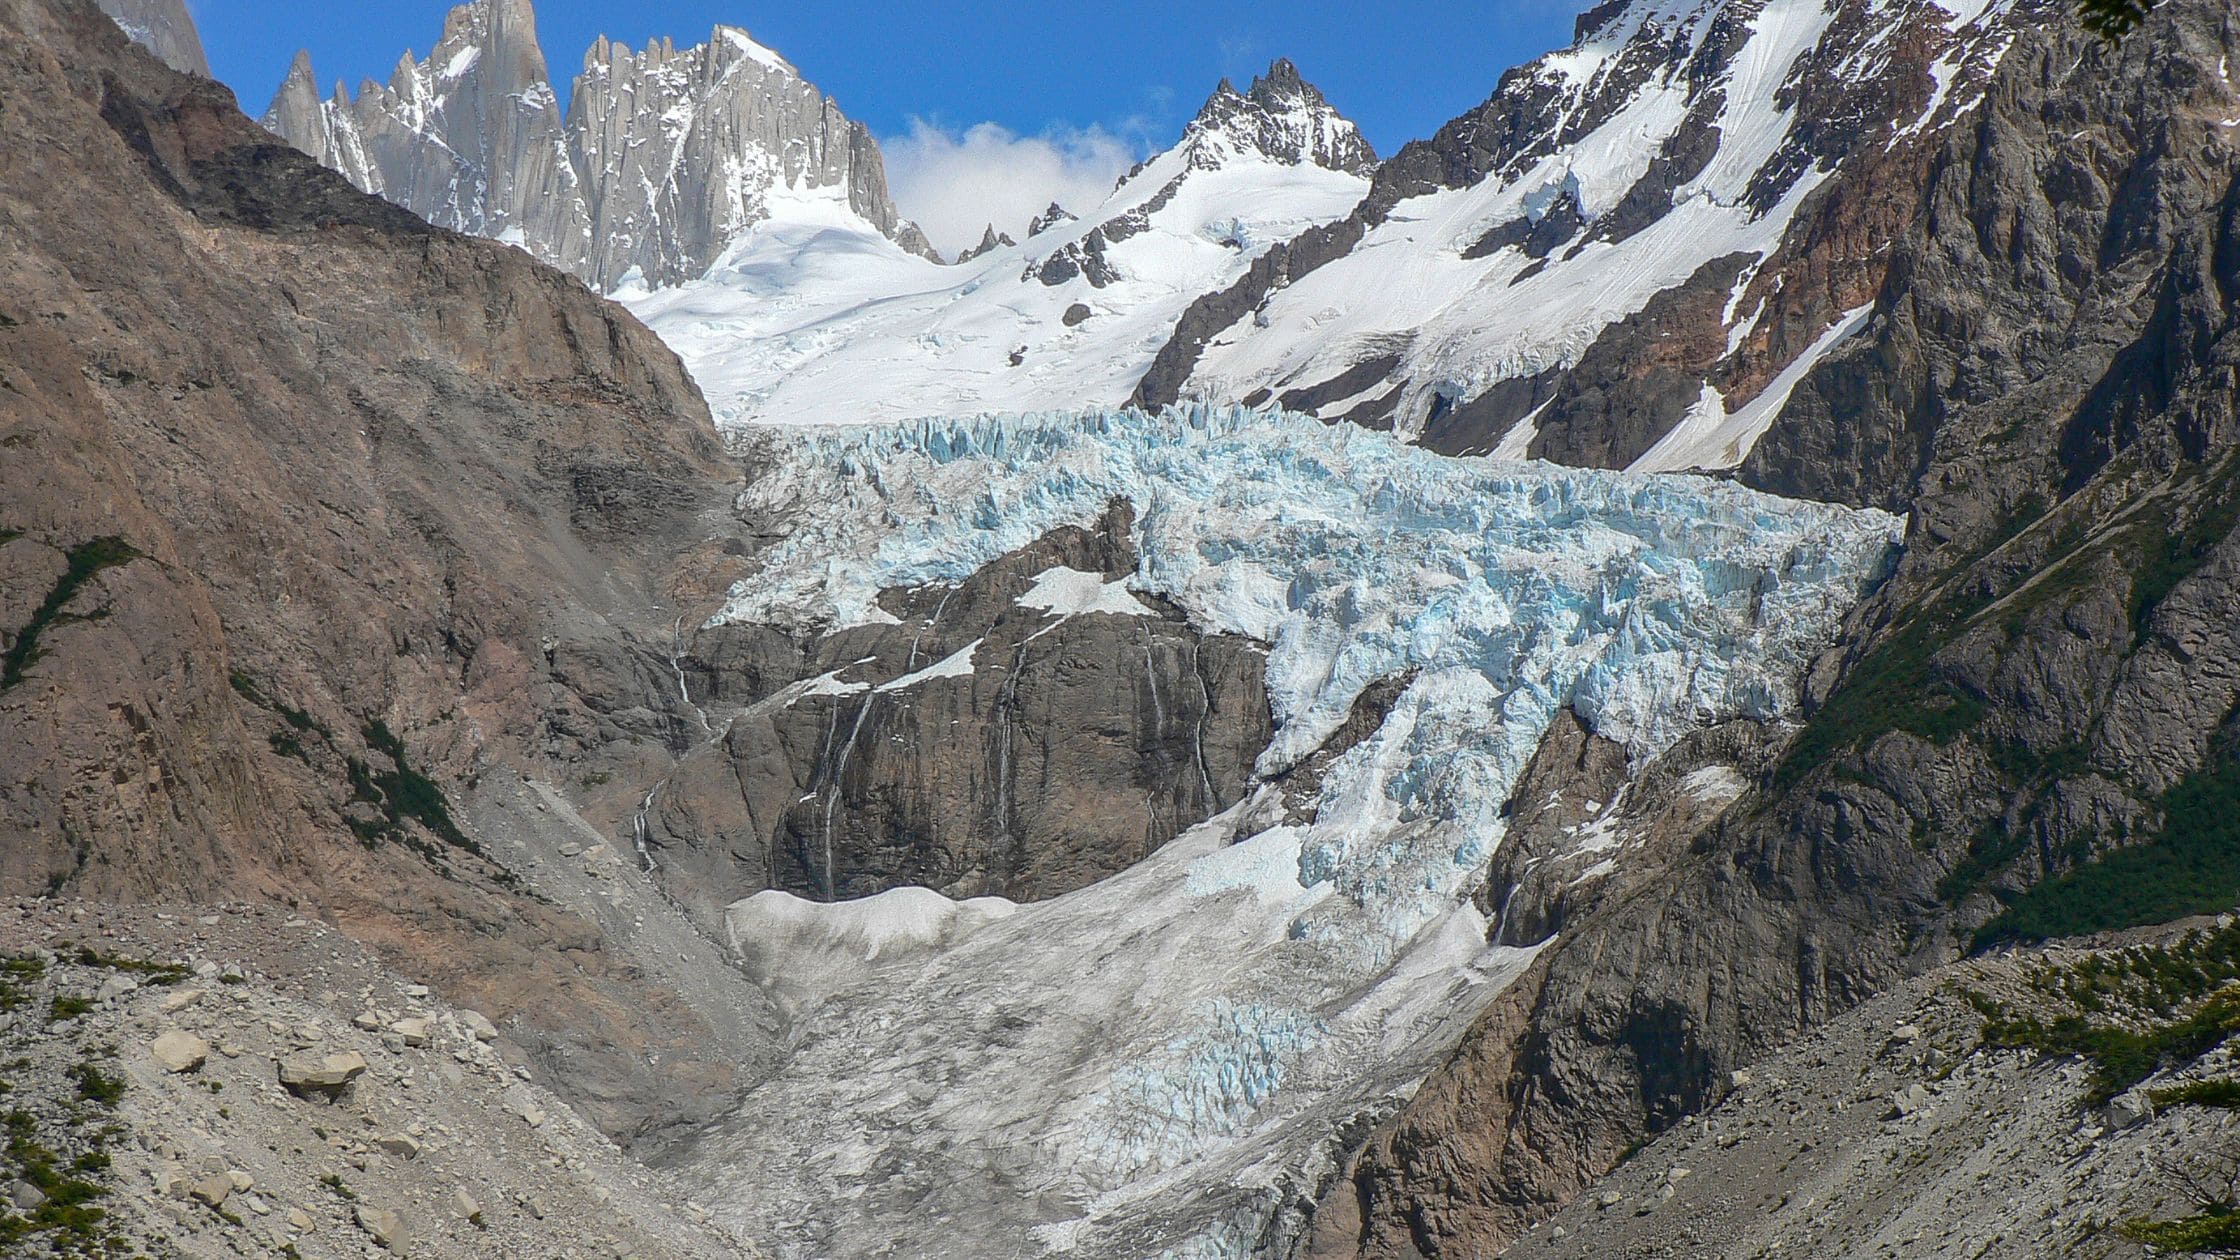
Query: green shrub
{"x":2165,"y":1007}
{"x":81,"y":563}
{"x":2211,"y":1233}
{"x":2221,"y":1093}
{"x":94,"y":1085}
{"x":2191,"y":866}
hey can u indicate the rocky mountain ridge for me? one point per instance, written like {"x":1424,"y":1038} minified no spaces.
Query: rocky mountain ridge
{"x":823,"y":323}
{"x":1637,"y":242}
{"x":2026,"y":733}
{"x":662,"y":160}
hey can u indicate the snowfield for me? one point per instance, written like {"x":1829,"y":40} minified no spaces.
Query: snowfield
{"x":816,"y":318}
{"x":1161,"y":1064}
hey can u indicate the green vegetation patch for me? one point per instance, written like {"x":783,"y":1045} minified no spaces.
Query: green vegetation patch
{"x":400,"y":794}
{"x":2131,"y":1013}
{"x":2210,"y":1233}
{"x":1891,"y":690}
{"x":2218,"y":1093}
{"x":82,"y":563}
{"x":294,"y":717}
{"x":2172,"y":555}
{"x":2191,"y":866}
{"x":149,"y":971}
{"x":96,"y":1086}
{"x":18,"y":975}
{"x":67,"y":1217}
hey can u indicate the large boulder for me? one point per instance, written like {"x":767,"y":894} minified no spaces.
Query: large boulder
{"x":323,"y":1076}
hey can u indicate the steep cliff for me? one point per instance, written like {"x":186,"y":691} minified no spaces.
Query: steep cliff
{"x":469,"y":139}
{"x":318,"y":526}
{"x":988,"y":741}
{"x":2028,"y":731}
{"x":165,"y":28}
{"x":662,"y":160}
{"x":666,"y":199}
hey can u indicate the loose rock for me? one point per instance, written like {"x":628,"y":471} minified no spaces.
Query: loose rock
{"x":176,"y":1051}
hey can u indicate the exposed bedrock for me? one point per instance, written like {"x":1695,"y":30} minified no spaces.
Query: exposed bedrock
{"x":312,"y":519}
{"x":978,"y":745}
{"x":2048,"y":679}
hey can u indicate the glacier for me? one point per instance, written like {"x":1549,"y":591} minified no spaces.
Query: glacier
{"x":1161,"y":1064}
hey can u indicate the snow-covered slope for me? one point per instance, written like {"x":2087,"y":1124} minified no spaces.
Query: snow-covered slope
{"x":664,"y":157}
{"x":1165,"y":1063}
{"x":813,"y":318}
{"x":1686,"y":200}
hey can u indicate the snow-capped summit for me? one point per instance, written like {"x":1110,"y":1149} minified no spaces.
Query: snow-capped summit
{"x":469,"y":138}
{"x":834,"y":325}
{"x":682,"y":151}
{"x":1631,"y":253}
{"x":1280,"y":118}
{"x":663,"y":158}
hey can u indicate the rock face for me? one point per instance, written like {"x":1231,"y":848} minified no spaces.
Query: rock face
{"x":1853,"y":1143}
{"x":981,"y":745}
{"x":2037,"y":709}
{"x":165,"y":28}
{"x":665,"y":200}
{"x":1281,"y":117}
{"x":473,"y":139}
{"x":469,"y":139}
{"x":1631,"y":242}
{"x":316,"y":516}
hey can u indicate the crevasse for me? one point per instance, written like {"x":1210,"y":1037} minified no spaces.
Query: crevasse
{"x":1156,"y":1065}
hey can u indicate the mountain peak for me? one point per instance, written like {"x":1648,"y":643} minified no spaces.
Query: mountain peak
{"x":990,"y":241}
{"x":1050,"y":218}
{"x":1279,"y":118}
{"x":1282,"y":75}
{"x":163,"y":27}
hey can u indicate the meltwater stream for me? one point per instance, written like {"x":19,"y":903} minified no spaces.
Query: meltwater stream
{"x":1161,"y":1064}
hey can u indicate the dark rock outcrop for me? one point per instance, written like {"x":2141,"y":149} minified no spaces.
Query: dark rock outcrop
{"x":979,"y":747}
{"x":2047,"y":681}
{"x":990,"y":241}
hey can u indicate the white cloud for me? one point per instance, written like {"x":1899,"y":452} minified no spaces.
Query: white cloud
{"x":955,"y":183}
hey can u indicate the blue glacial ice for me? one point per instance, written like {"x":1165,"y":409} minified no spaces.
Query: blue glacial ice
{"x":1155,"y":1065}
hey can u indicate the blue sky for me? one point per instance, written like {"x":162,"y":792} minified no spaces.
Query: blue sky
{"x":1092,"y":79}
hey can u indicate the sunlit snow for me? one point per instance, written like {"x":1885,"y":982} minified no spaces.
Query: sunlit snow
{"x":821,"y":320}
